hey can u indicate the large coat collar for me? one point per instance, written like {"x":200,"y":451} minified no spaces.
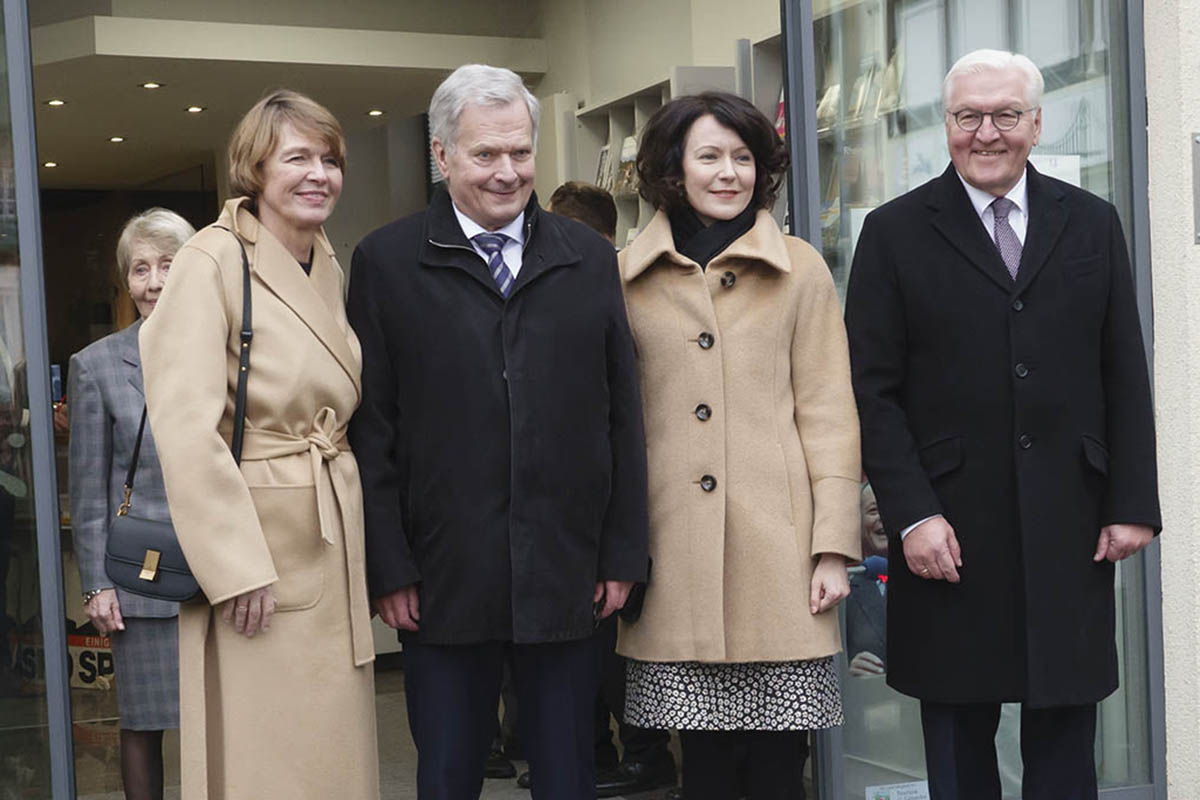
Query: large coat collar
{"x":316,"y":298}
{"x":955,"y":219}
{"x":445,"y":244}
{"x":763,"y":242}
{"x":127,"y":345}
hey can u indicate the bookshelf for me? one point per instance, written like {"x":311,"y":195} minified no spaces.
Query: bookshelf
{"x":607,"y":128}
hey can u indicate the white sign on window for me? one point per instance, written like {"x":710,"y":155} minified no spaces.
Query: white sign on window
{"x":917,"y":790}
{"x":1065,"y":168}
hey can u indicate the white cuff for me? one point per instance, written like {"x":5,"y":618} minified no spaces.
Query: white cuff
{"x":909,"y":529}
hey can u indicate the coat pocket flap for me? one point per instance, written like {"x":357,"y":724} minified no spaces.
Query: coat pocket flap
{"x":942,"y":456}
{"x":1095,"y":453}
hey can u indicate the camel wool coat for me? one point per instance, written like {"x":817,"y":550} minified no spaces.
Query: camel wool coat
{"x":753,"y":446}
{"x":290,"y":712}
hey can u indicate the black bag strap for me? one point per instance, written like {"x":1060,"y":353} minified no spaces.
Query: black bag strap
{"x":239,"y":408}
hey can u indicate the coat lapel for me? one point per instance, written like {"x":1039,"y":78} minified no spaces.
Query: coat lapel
{"x":1047,"y":219}
{"x":131,"y":357}
{"x":956,"y":220}
{"x":313,"y":298}
{"x":446,"y":245}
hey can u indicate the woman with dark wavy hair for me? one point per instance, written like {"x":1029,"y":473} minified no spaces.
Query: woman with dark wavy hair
{"x":753,"y":447}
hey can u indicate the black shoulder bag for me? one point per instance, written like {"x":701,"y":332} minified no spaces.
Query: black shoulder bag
{"x":143,"y":556}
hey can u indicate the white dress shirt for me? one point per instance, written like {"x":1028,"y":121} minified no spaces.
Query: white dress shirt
{"x":1018,"y":220}
{"x":1018,"y":217}
{"x":513,"y":248}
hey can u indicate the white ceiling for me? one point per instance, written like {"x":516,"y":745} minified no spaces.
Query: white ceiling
{"x":97,"y":65}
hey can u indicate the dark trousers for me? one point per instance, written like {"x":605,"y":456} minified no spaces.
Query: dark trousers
{"x":1057,"y":748}
{"x":452,"y":693}
{"x":757,"y":765}
{"x":641,"y":745}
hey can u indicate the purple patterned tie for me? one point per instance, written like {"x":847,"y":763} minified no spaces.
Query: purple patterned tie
{"x":1006,"y":238}
{"x":493,"y":245}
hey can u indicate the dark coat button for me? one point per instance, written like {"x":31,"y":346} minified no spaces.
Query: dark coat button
{"x":705,"y":340}
{"x":708,"y":483}
{"x":1025,"y":440}
{"x":728,"y":280}
{"x":1017,"y":305}
{"x":703,"y":412}
{"x":1021,"y":370}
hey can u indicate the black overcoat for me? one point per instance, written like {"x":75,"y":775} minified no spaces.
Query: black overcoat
{"x":1020,"y":411}
{"x":500,"y":442}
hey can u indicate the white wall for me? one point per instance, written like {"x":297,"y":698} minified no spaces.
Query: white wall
{"x":1172,"y":39}
{"x":384,"y":180}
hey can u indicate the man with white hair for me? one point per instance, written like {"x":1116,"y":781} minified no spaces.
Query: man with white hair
{"x":1008,"y":433}
{"x":501,"y":447}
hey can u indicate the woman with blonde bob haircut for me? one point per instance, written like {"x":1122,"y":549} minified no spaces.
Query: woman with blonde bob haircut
{"x":277,"y":690}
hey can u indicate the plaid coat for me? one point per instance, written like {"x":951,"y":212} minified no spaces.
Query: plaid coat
{"x":105,"y":394}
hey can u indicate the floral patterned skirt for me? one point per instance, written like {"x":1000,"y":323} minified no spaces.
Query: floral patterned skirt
{"x":762,"y":696}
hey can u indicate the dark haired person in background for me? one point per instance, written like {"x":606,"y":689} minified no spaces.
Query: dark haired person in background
{"x":753,"y":446}
{"x":589,"y":204}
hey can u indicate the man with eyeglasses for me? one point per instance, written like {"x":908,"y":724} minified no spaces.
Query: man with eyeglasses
{"x":1008,"y":433}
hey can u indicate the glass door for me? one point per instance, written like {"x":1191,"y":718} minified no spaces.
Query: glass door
{"x":879,"y":66}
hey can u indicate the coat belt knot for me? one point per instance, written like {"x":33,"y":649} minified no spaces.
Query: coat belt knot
{"x":325,"y":436}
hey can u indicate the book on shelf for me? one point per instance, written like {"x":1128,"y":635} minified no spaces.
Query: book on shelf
{"x":781,"y":116}
{"x":602,"y":168}
{"x":625,"y":182}
{"x":889,"y":86}
{"x":827,"y":109}
{"x":859,"y":101}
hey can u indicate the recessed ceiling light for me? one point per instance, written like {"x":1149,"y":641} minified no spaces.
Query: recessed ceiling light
{"x":151,"y":85}
{"x":56,"y":102}
{"x":116,"y":139}
{"x":50,"y":164}
{"x":195,"y":109}
{"x":375,"y":112}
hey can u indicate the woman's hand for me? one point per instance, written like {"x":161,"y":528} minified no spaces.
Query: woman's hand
{"x":867,"y":665}
{"x":830,"y":585}
{"x":104,"y":610}
{"x":251,"y":612}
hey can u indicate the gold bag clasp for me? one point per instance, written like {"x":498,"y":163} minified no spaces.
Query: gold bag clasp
{"x":150,"y":565}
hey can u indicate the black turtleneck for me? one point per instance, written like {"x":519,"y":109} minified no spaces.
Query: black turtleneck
{"x":702,"y":243}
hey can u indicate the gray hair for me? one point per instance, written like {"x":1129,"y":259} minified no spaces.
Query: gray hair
{"x":165,"y":230}
{"x":978,"y":61}
{"x":479,"y":85}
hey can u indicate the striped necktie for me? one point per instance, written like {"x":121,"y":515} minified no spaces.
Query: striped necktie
{"x":493,"y":245}
{"x":1006,"y":238}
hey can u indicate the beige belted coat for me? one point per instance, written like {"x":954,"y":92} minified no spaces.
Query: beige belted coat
{"x":291,"y":712}
{"x":752,"y":442}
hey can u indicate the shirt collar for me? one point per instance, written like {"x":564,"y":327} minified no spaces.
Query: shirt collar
{"x":514,"y":230}
{"x":1019,"y":195}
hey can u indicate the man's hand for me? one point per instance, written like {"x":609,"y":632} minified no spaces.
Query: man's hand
{"x":400,"y":609}
{"x":1121,"y":541}
{"x":104,"y":610}
{"x":614,"y":594}
{"x":830,"y":584}
{"x":931,"y":551}
{"x":251,"y":612}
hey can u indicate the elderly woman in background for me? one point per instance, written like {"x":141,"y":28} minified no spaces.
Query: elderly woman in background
{"x":276,"y":676}
{"x":106,"y":410}
{"x":753,"y":447}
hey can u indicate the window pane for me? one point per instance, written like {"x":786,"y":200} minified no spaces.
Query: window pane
{"x":24,"y":729}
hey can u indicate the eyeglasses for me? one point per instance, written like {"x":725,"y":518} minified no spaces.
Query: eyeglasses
{"x":970,"y":119}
